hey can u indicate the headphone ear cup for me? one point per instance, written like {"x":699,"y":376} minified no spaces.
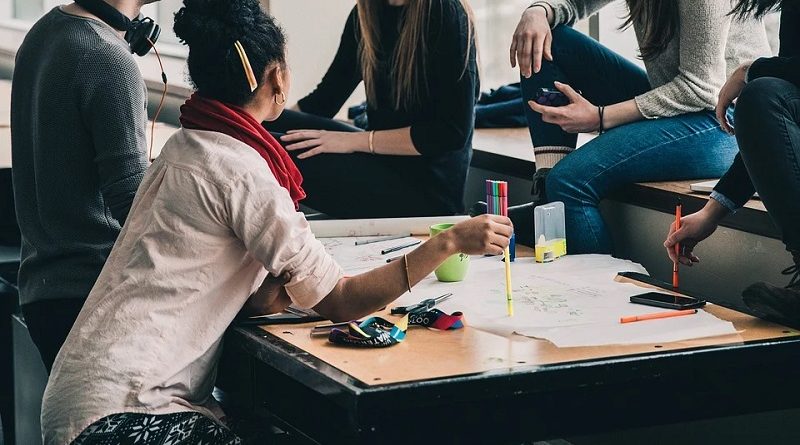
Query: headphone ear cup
{"x":140,"y":32}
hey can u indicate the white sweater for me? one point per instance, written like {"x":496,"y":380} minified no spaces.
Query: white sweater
{"x":688,"y":75}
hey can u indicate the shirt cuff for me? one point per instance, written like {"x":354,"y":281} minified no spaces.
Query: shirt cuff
{"x":725,"y":201}
{"x":307,"y":291}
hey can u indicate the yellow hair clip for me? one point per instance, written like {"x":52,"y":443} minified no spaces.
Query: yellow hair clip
{"x":248,"y":69}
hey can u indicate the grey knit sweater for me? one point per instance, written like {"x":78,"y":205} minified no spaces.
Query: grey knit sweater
{"x":78,"y":122}
{"x":687,"y":76}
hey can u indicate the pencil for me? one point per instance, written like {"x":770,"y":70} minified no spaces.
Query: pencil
{"x":675,"y":278}
{"x":657,"y":315}
{"x":400,"y":247}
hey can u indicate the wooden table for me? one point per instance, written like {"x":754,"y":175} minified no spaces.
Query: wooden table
{"x":469,"y":386}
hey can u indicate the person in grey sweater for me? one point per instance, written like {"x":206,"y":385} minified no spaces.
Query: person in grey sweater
{"x":656,"y":124}
{"x":78,"y":118}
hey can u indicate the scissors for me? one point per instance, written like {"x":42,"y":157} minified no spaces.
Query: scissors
{"x":422,"y":306}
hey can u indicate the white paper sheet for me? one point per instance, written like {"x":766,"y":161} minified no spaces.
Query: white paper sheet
{"x":663,"y":330}
{"x":573,"y":301}
{"x":357,"y":259}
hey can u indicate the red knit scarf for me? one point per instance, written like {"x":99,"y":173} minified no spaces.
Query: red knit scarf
{"x":199,"y":113}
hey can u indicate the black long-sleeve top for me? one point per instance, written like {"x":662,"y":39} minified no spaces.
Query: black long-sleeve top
{"x":442,"y":127}
{"x":736,"y":187}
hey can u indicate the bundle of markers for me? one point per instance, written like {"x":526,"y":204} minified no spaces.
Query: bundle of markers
{"x":497,"y":197}
{"x":497,"y":200}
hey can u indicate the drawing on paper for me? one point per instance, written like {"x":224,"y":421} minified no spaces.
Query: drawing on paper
{"x":362,"y":258}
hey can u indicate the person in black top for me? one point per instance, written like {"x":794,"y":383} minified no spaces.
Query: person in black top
{"x":767,"y":128}
{"x":417,"y":59}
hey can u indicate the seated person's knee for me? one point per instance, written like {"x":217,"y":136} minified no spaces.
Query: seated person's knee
{"x":760,"y":98}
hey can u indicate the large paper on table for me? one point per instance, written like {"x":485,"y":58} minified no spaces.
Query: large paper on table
{"x":375,"y":227}
{"x":573,"y":301}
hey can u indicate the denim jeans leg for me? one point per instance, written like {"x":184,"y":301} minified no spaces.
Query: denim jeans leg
{"x":603,"y":77}
{"x":690,"y":146}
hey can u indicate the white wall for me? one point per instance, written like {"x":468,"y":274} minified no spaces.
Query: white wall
{"x":313,"y":30}
{"x":623,"y":42}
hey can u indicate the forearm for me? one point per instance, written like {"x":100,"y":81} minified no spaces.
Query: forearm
{"x":263,"y":303}
{"x":387,"y":142}
{"x":620,"y":114}
{"x":363,"y":294}
{"x":715,"y":211}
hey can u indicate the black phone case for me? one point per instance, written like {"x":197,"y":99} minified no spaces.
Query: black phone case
{"x":550,"y":98}
{"x":697,"y":304}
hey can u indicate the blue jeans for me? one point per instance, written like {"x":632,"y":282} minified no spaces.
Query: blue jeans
{"x":690,"y":146}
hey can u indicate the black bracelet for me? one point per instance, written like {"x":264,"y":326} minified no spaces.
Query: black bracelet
{"x":546,"y":13}
{"x":601,"y":110}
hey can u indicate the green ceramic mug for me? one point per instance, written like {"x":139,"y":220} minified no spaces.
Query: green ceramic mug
{"x":454,"y":268}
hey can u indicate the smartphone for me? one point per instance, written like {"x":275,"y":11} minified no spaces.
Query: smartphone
{"x":550,"y":98}
{"x":279,"y":318}
{"x":667,"y":301}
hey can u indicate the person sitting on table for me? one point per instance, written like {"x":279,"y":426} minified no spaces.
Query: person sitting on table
{"x":767,"y":128}
{"x":654,"y":125}
{"x":213,"y":232}
{"x":78,"y":118}
{"x":417,"y":59}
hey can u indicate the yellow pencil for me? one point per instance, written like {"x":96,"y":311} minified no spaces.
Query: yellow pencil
{"x":509,"y":296}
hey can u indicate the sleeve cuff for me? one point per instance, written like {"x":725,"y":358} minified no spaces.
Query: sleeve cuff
{"x":559,"y":17}
{"x":725,"y":201}
{"x":307,"y":291}
{"x":645,"y":105}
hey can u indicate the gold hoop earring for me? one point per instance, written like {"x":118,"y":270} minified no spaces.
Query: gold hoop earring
{"x":283,"y":99}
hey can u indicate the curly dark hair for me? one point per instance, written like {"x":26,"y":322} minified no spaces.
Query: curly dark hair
{"x":755,"y":8}
{"x":210,"y":28}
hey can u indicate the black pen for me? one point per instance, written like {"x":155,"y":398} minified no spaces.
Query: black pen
{"x":400,"y":247}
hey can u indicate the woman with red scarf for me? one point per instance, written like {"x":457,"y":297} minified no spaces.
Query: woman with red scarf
{"x":213,"y":232}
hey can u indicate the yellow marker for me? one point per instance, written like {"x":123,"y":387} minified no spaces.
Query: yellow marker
{"x":509,"y":296}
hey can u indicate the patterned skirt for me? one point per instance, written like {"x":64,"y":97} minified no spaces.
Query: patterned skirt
{"x":144,"y":429}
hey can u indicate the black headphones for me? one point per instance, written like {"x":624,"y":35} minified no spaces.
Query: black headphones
{"x":139,"y":33}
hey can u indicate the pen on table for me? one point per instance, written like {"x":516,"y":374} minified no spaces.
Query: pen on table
{"x":657,"y":315}
{"x":400,"y":247}
{"x":675,"y":278}
{"x":389,"y":260}
{"x":380,"y":239}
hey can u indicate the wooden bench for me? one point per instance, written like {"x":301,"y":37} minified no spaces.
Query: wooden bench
{"x":662,"y":196}
{"x":504,"y":150}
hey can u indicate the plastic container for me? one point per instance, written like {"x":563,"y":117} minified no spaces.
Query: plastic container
{"x":550,"y":232}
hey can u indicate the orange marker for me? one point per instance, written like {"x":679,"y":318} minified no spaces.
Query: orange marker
{"x":678,"y":211}
{"x":657,"y":315}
